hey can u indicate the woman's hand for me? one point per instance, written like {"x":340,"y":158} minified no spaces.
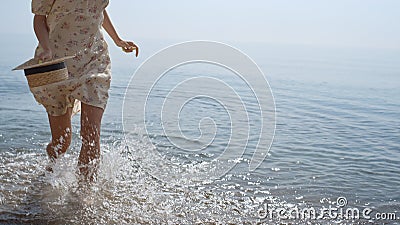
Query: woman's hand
{"x":128,"y":46}
{"x":46,"y":55}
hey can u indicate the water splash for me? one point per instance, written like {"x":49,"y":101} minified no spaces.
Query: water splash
{"x":125,"y":192}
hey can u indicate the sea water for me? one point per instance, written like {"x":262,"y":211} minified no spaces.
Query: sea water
{"x":337,"y":137}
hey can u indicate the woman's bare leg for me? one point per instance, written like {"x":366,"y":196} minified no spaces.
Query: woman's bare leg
{"x":60,"y":127}
{"x":90,"y":133}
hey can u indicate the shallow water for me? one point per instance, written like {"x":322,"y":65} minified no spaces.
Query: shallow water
{"x":337,"y":135}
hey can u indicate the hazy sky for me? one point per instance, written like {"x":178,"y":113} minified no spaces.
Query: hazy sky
{"x":359,"y":23}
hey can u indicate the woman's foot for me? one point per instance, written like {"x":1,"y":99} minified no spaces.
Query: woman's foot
{"x":88,"y":171}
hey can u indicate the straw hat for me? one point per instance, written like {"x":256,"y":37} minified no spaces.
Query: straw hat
{"x":41,"y":73}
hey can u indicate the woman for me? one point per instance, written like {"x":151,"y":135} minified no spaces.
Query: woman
{"x":74,"y":27}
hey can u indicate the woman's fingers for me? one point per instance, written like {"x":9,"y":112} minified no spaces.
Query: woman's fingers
{"x":134,"y":47}
{"x":126,"y":47}
{"x":45,"y":56}
{"x":129,"y":46}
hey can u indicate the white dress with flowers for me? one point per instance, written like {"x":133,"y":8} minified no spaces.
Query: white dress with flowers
{"x":75,"y":28}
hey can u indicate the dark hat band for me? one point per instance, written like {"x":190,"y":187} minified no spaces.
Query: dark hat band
{"x":45,"y":69}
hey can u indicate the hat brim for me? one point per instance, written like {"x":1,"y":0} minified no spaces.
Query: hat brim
{"x":33,"y":63}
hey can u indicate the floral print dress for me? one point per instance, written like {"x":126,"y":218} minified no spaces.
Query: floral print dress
{"x":75,"y":28}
